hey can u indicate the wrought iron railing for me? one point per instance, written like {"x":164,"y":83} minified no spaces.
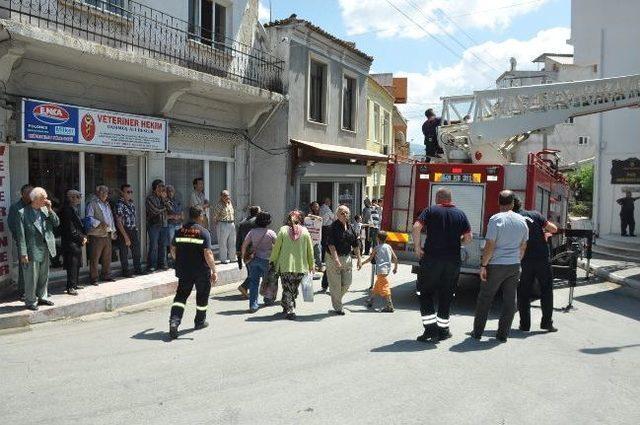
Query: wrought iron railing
{"x":137,"y":28}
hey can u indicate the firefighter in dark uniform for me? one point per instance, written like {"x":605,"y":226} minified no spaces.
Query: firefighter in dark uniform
{"x":536,"y":264}
{"x":195,"y":265}
{"x":447,"y":229}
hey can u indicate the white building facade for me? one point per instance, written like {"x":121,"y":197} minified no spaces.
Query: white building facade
{"x":194,"y":71}
{"x":608,"y":37}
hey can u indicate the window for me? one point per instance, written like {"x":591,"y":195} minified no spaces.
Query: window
{"x":569,"y":120}
{"x":583,"y":141}
{"x":376,"y":123}
{"x":386,"y":130}
{"x":317,"y":91}
{"x":348,"y":103}
{"x":208,"y":22}
{"x":180,"y":174}
{"x":113,"y":6}
{"x":220,"y":24}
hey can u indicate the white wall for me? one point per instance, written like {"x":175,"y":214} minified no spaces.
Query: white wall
{"x":608,"y":36}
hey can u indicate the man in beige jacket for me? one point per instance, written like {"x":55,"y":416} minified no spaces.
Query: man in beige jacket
{"x":102,"y":230}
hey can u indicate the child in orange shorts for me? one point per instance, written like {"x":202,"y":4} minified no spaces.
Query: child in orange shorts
{"x":384,"y":255}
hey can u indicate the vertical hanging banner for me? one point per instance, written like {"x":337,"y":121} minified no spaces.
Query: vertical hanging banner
{"x":51,"y":122}
{"x":5,"y":236}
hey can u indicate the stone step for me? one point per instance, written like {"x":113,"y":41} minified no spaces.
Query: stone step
{"x":106,"y":297}
{"x":615,"y":253}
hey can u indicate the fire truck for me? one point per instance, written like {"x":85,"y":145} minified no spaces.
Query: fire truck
{"x":476,"y":164}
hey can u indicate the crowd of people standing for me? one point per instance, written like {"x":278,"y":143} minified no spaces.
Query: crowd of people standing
{"x":110,"y":223}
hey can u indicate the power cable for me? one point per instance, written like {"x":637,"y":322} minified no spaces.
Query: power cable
{"x":446,"y":32}
{"x":456,"y":54}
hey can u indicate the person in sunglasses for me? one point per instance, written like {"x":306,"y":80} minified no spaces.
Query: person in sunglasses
{"x":126,"y":221}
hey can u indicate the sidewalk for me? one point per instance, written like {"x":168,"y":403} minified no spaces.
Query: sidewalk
{"x":625,"y":273}
{"x":106,"y":297}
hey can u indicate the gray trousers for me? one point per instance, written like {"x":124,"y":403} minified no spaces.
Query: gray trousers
{"x":36,"y":280}
{"x":226,"y":241}
{"x":498,"y":276}
{"x":339,"y":279}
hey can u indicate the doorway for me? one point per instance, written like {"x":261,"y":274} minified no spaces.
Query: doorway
{"x":325,"y":190}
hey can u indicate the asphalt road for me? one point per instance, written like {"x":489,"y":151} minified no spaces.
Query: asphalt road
{"x":365,"y":367}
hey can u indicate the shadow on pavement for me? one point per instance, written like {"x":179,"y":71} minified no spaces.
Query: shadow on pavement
{"x":404,"y":346}
{"x":233,"y":312}
{"x":160,"y":335}
{"x":613,"y":301}
{"x":607,"y":350}
{"x":471,"y":344}
{"x":280,"y":316}
{"x":11,"y":308}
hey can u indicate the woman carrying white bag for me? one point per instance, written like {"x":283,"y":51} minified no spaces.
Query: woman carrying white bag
{"x":292,"y":257}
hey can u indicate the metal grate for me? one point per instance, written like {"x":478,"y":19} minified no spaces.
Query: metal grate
{"x":137,"y":28}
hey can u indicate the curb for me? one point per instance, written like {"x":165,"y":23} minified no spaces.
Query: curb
{"x":148,"y":290}
{"x":611,"y":276}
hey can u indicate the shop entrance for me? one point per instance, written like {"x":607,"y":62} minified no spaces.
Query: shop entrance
{"x":341,"y":193}
{"x":58,"y":171}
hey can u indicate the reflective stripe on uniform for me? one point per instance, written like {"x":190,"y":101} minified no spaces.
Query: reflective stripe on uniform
{"x":181,"y":305}
{"x":202,"y":308}
{"x":443,"y":323}
{"x":428,"y":320}
{"x":190,"y":240}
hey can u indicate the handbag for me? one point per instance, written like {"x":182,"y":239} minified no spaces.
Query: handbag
{"x":307,"y":288}
{"x":249,"y":254}
{"x":269,"y":285}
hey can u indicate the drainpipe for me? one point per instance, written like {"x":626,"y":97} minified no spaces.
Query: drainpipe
{"x":598,"y":162}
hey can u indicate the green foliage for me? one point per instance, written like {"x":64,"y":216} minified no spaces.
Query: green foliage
{"x":581,"y":183}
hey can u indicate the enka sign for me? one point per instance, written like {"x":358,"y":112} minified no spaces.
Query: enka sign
{"x":47,"y":122}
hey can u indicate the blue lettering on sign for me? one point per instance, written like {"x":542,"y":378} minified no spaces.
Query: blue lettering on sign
{"x":49,"y":122}
{"x":65,"y":131}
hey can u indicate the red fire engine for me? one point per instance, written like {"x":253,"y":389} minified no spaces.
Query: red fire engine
{"x":478,"y":143}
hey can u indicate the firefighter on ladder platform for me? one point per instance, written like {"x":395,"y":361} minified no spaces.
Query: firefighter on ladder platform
{"x":195,"y":265}
{"x":447,"y":227}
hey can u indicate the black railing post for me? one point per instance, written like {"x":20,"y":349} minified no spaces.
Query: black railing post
{"x":155,"y":34}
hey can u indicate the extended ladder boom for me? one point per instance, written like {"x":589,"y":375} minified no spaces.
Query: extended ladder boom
{"x":500,"y":115}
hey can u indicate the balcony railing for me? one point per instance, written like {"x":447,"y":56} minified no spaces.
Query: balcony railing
{"x":137,"y":28}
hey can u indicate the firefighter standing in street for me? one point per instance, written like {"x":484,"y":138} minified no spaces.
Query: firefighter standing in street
{"x":447,"y":228}
{"x":536,"y":264}
{"x":195,"y":265}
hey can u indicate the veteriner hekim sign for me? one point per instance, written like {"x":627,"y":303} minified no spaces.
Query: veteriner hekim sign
{"x":51,"y":122}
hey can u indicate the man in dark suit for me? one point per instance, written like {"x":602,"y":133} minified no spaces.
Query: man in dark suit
{"x":73,"y":239}
{"x":36,"y":246}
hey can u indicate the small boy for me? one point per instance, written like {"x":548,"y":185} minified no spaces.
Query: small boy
{"x":383,"y":255}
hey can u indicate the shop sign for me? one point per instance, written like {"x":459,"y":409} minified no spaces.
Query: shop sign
{"x":5,"y":237}
{"x":625,"y":172}
{"x":50,"y":122}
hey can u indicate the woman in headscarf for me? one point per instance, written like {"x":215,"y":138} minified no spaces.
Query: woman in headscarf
{"x":292,"y":256}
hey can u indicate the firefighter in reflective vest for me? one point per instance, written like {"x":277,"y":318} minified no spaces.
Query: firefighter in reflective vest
{"x":195,"y":265}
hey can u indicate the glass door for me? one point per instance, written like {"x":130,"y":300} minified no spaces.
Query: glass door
{"x":56,"y":172}
{"x":347,"y":196}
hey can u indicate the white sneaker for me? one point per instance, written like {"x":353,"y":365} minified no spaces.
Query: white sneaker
{"x":225,"y":262}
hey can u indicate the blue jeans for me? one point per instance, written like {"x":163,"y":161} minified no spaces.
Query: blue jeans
{"x":257,"y":269}
{"x":157,"y":257}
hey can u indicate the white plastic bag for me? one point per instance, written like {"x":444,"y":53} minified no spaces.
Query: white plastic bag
{"x":307,"y":288}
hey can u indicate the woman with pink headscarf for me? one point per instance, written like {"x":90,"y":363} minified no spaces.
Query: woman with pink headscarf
{"x":292,"y":256}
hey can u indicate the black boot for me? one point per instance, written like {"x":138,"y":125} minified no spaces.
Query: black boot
{"x":444,"y":333}
{"x":173,"y":328}
{"x":430,"y":334}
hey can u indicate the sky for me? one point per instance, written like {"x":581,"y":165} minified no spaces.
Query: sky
{"x":444,"y":47}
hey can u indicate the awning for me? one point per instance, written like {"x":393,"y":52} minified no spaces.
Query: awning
{"x":342,"y":152}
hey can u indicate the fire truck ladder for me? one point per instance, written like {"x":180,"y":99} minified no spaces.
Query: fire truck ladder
{"x":500,"y":119}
